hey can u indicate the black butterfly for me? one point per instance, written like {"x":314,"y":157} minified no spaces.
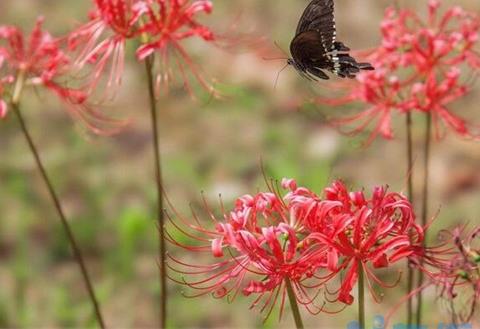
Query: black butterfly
{"x":315,"y":48}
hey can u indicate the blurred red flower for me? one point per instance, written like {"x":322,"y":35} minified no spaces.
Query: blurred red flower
{"x":159,"y":25}
{"x":169,"y":22}
{"x":458,"y":280}
{"x":39,"y":60}
{"x":418,"y":69}
{"x":102,"y":40}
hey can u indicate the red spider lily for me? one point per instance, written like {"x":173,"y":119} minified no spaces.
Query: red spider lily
{"x":174,"y":23}
{"x":453,"y":267}
{"x":427,"y":44}
{"x":169,"y":22}
{"x":160,"y":25}
{"x":381,"y":92}
{"x":418,"y":69}
{"x":268,"y":239}
{"x":377,"y":231}
{"x":102,"y":40}
{"x":40,"y":61}
{"x":433,"y":96}
{"x":260,"y":245}
{"x":459,"y":277}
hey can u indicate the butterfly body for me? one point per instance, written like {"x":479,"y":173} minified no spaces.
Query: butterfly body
{"x":315,"y":48}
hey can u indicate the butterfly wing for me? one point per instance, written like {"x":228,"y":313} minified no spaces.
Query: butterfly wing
{"x":314,"y":38}
{"x":315,"y":47}
{"x":307,"y":51}
{"x":319,"y":16}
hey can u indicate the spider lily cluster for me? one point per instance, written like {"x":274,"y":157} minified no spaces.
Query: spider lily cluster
{"x":39,"y":60}
{"x":84,"y":68}
{"x":317,"y":243}
{"x":158,"y":26}
{"x":73,"y":66}
{"x":287,"y":241}
{"x":458,"y":277}
{"x":419,"y":67}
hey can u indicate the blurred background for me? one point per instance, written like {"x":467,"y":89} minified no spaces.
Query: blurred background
{"x":217,"y":146}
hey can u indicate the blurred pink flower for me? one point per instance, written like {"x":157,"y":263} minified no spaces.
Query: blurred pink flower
{"x":40,"y":61}
{"x":418,"y":69}
{"x":102,"y":40}
{"x":169,"y":22}
{"x":380,"y":91}
{"x":159,"y":25}
{"x":458,"y":281}
{"x":426,"y":44}
{"x":175,"y":22}
{"x":453,"y":267}
{"x":434,"y":95}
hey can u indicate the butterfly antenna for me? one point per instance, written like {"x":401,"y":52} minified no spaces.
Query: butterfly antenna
{"x":278,"y":76}
{"x":274,"y":58}
{"x":277,"y":58}
{"x":280,"y":48}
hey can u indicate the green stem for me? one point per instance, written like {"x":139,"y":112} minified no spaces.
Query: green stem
{"x":361,"y":296}
{"x":66,"y":226}
{"x":409,"y":157}
{"x":425,"y":199}
{"x":159,"y":185}
{"x":21,"y":277}
{"x":293,"y":304}
{"x":410,"y":284}
{"x":410,"y":272}
{"x":396,"y":4}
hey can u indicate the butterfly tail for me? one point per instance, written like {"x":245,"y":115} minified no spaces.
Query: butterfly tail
{"x":346,"y":66}
{"x":366,"y":66}
{"x":340,"y":46}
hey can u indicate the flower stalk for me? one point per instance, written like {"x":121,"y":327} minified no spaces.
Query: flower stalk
{"x":296,"y":241}
{"x":159,"y":185}
{"x":425,"y":199}
{"x":66,"y":226}
{"x":361,"y":296}
{"x":294,"y":305}
{"x":410,"y":273}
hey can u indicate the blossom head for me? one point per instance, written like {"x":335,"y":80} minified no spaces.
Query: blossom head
{"x":159,"y":25}
{"x":171,"y":21}
{"x":458,"y":279}
{"x":272,"y":238}
{"x":368,"y":232}
{"x":101,"y":41}
{"x":122,"y":16}
{"x":40,"y":60}
{"x":419,"y":64}
{"x":168,"y":23}
{"x":439,"y":40}
{"x":39,"y":55}
{"x":258,"y":245}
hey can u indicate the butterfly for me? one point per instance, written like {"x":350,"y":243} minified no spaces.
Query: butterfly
{"x":315,"y":49}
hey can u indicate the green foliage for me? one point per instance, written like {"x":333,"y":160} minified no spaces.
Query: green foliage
{"x":131,"y":233}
